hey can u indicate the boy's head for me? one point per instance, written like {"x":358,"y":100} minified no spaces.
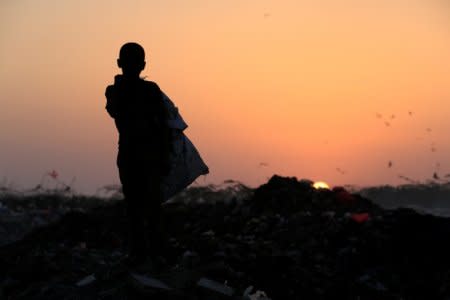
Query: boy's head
{"x":131,"y":59}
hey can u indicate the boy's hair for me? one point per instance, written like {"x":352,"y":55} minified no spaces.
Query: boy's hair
{"x":132,"y":51}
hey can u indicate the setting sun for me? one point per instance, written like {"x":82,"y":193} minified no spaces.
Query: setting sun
{"x":320,"y":185}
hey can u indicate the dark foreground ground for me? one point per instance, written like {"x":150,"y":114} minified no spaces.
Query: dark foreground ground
{"x":284,"y":238}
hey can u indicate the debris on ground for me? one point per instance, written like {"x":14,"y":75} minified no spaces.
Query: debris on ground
{"x":283,"y":240}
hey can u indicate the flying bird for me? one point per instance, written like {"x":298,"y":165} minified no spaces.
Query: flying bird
{"x":263,"y":164}
{"x":340,"y":171}
{"x":436,"y":176}
{"x":387,"y":124}
{"x":390,"y":164}
{"x":433,"y":147}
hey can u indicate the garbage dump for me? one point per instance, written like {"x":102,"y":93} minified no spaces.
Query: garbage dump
{"x":282,"y":240}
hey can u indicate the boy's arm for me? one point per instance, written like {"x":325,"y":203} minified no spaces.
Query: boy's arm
{"x":111,"y":101}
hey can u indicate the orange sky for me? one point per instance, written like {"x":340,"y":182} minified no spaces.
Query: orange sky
{"x":294,"y":84}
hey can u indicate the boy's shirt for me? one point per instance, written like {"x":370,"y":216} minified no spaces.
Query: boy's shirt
{"x":140,"y":116}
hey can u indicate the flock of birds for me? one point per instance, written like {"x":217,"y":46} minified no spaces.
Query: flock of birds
{"x":433,"y":148}
{"x":390,"y":164}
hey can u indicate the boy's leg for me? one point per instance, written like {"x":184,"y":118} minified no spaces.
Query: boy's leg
{"x":132,"y":189}
{"x":155,"y":220}
{"x":137,"y":234}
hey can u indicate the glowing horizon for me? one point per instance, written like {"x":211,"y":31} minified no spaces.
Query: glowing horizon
{"x":344,"y":91}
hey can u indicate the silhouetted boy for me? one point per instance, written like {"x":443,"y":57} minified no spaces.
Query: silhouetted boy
{"x":144,"y":144}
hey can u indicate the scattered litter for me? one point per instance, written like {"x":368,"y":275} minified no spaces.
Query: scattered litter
{"x":259,"y":295}
{"x":215,"y":286}
{"x":284,"y":237}
{"x":247,"y":291}
{"x":150,"y":282}
{"x":360,"y":217}
{"x":86,"y":280}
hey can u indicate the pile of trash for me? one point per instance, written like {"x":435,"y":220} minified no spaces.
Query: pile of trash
{"x":284,"y":240}
{"x":21,"y":213}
